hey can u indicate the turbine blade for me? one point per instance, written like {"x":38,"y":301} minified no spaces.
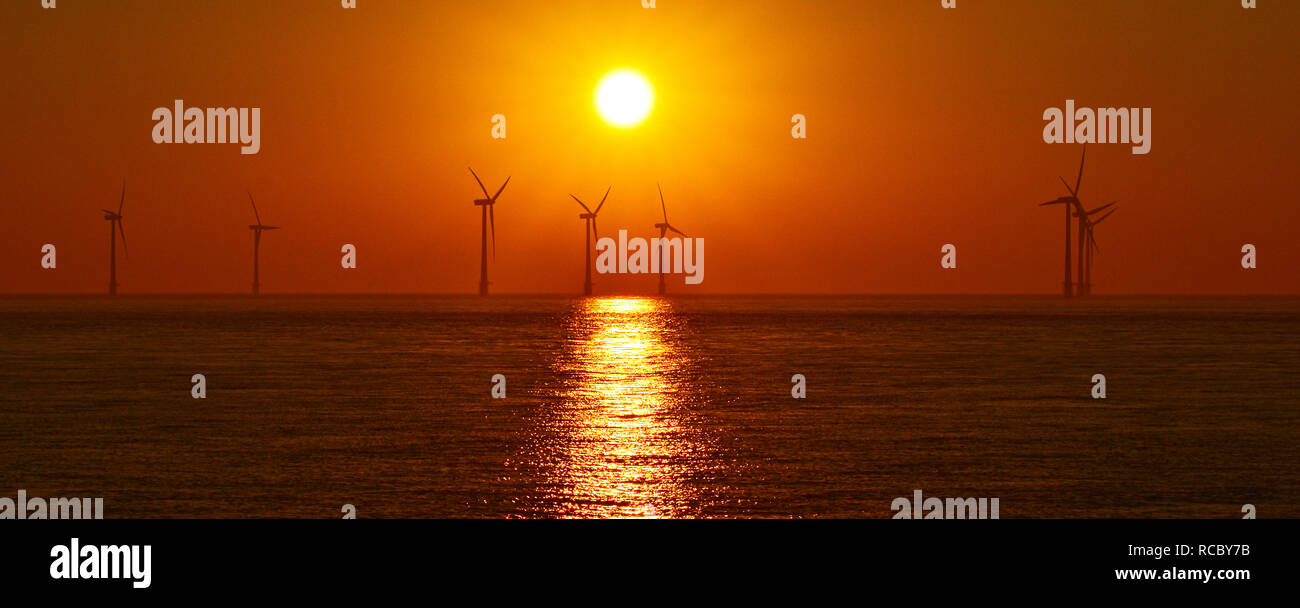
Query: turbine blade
{"x":1100,"y":219}
{"x":492,"y":220}
{"x":1067,"y":185}
{"x":122,"y":232}
{"x":255,"y":213}
{"x":593,"y":229}
{"x":674,"y":229}
{"x":602,"y":200}
{"x":661,"y":202}
{"x":122,"y":201}
{"x":1107,"y":205}
{"x":503,"y":187}
{"x":1079,"y":181}
{"x":584,"y":205}
{"x":480,"y":182}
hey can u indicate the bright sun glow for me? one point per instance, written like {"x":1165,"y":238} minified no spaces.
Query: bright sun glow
{"x":623,"y":98}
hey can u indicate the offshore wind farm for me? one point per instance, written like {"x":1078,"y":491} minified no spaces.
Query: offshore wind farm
{"x":399,"y":355}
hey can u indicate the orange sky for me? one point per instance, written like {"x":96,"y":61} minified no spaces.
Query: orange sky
{"x":924,"y":128}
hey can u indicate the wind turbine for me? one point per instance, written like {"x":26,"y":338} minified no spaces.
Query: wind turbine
{"x":257,"y":242}
{"x":114,"y":228}
{"x":1083,"y":285}
{"x":488,"y":216}
{"x":1092,"y":245}
{"x":1073,"y":201}
{"x":664,"y":227}
{"x":590,"y":217}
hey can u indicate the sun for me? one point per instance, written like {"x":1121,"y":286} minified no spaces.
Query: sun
{"x":624,"y":98}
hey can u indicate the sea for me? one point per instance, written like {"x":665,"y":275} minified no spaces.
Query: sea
{"x":428,"y":406}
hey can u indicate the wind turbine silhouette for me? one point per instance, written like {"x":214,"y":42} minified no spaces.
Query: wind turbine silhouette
{"x":115,"y":222}
{"x":590,"y":216}
{"x":664,"y":227}
{"x":1092,"y":246}
{"x":1086,"y":241}
{"x":257,"y":242}
{"x":1068,"y":202}
{"x":488,"y":204}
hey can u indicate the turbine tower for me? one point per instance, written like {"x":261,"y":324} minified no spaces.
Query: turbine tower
{"x":487,"y":204}
{"x":114,"y":228}
{"x":590,"y":217}
{"x":1068,"y":202}
{"x":257,"y":242}
{"x":1066,"y":282}
{"x":664,"y":227}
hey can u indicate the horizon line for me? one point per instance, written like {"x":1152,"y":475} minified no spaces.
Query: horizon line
{"x":232,"y":294}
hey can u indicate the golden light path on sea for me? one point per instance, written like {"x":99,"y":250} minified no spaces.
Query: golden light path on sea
{"x":623,"y":442}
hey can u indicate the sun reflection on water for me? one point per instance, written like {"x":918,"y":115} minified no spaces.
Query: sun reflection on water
{"x":620,"y":442}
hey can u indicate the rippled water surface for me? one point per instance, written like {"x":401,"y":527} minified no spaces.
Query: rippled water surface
{"x":645,"y":407}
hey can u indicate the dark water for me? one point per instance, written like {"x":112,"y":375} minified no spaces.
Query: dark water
{"x":649,"y":407}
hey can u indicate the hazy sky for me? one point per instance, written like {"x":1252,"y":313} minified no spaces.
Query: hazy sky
{"x":924,"y":128}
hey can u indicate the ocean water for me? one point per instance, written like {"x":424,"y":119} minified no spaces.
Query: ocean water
{"x":647,"y":407}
